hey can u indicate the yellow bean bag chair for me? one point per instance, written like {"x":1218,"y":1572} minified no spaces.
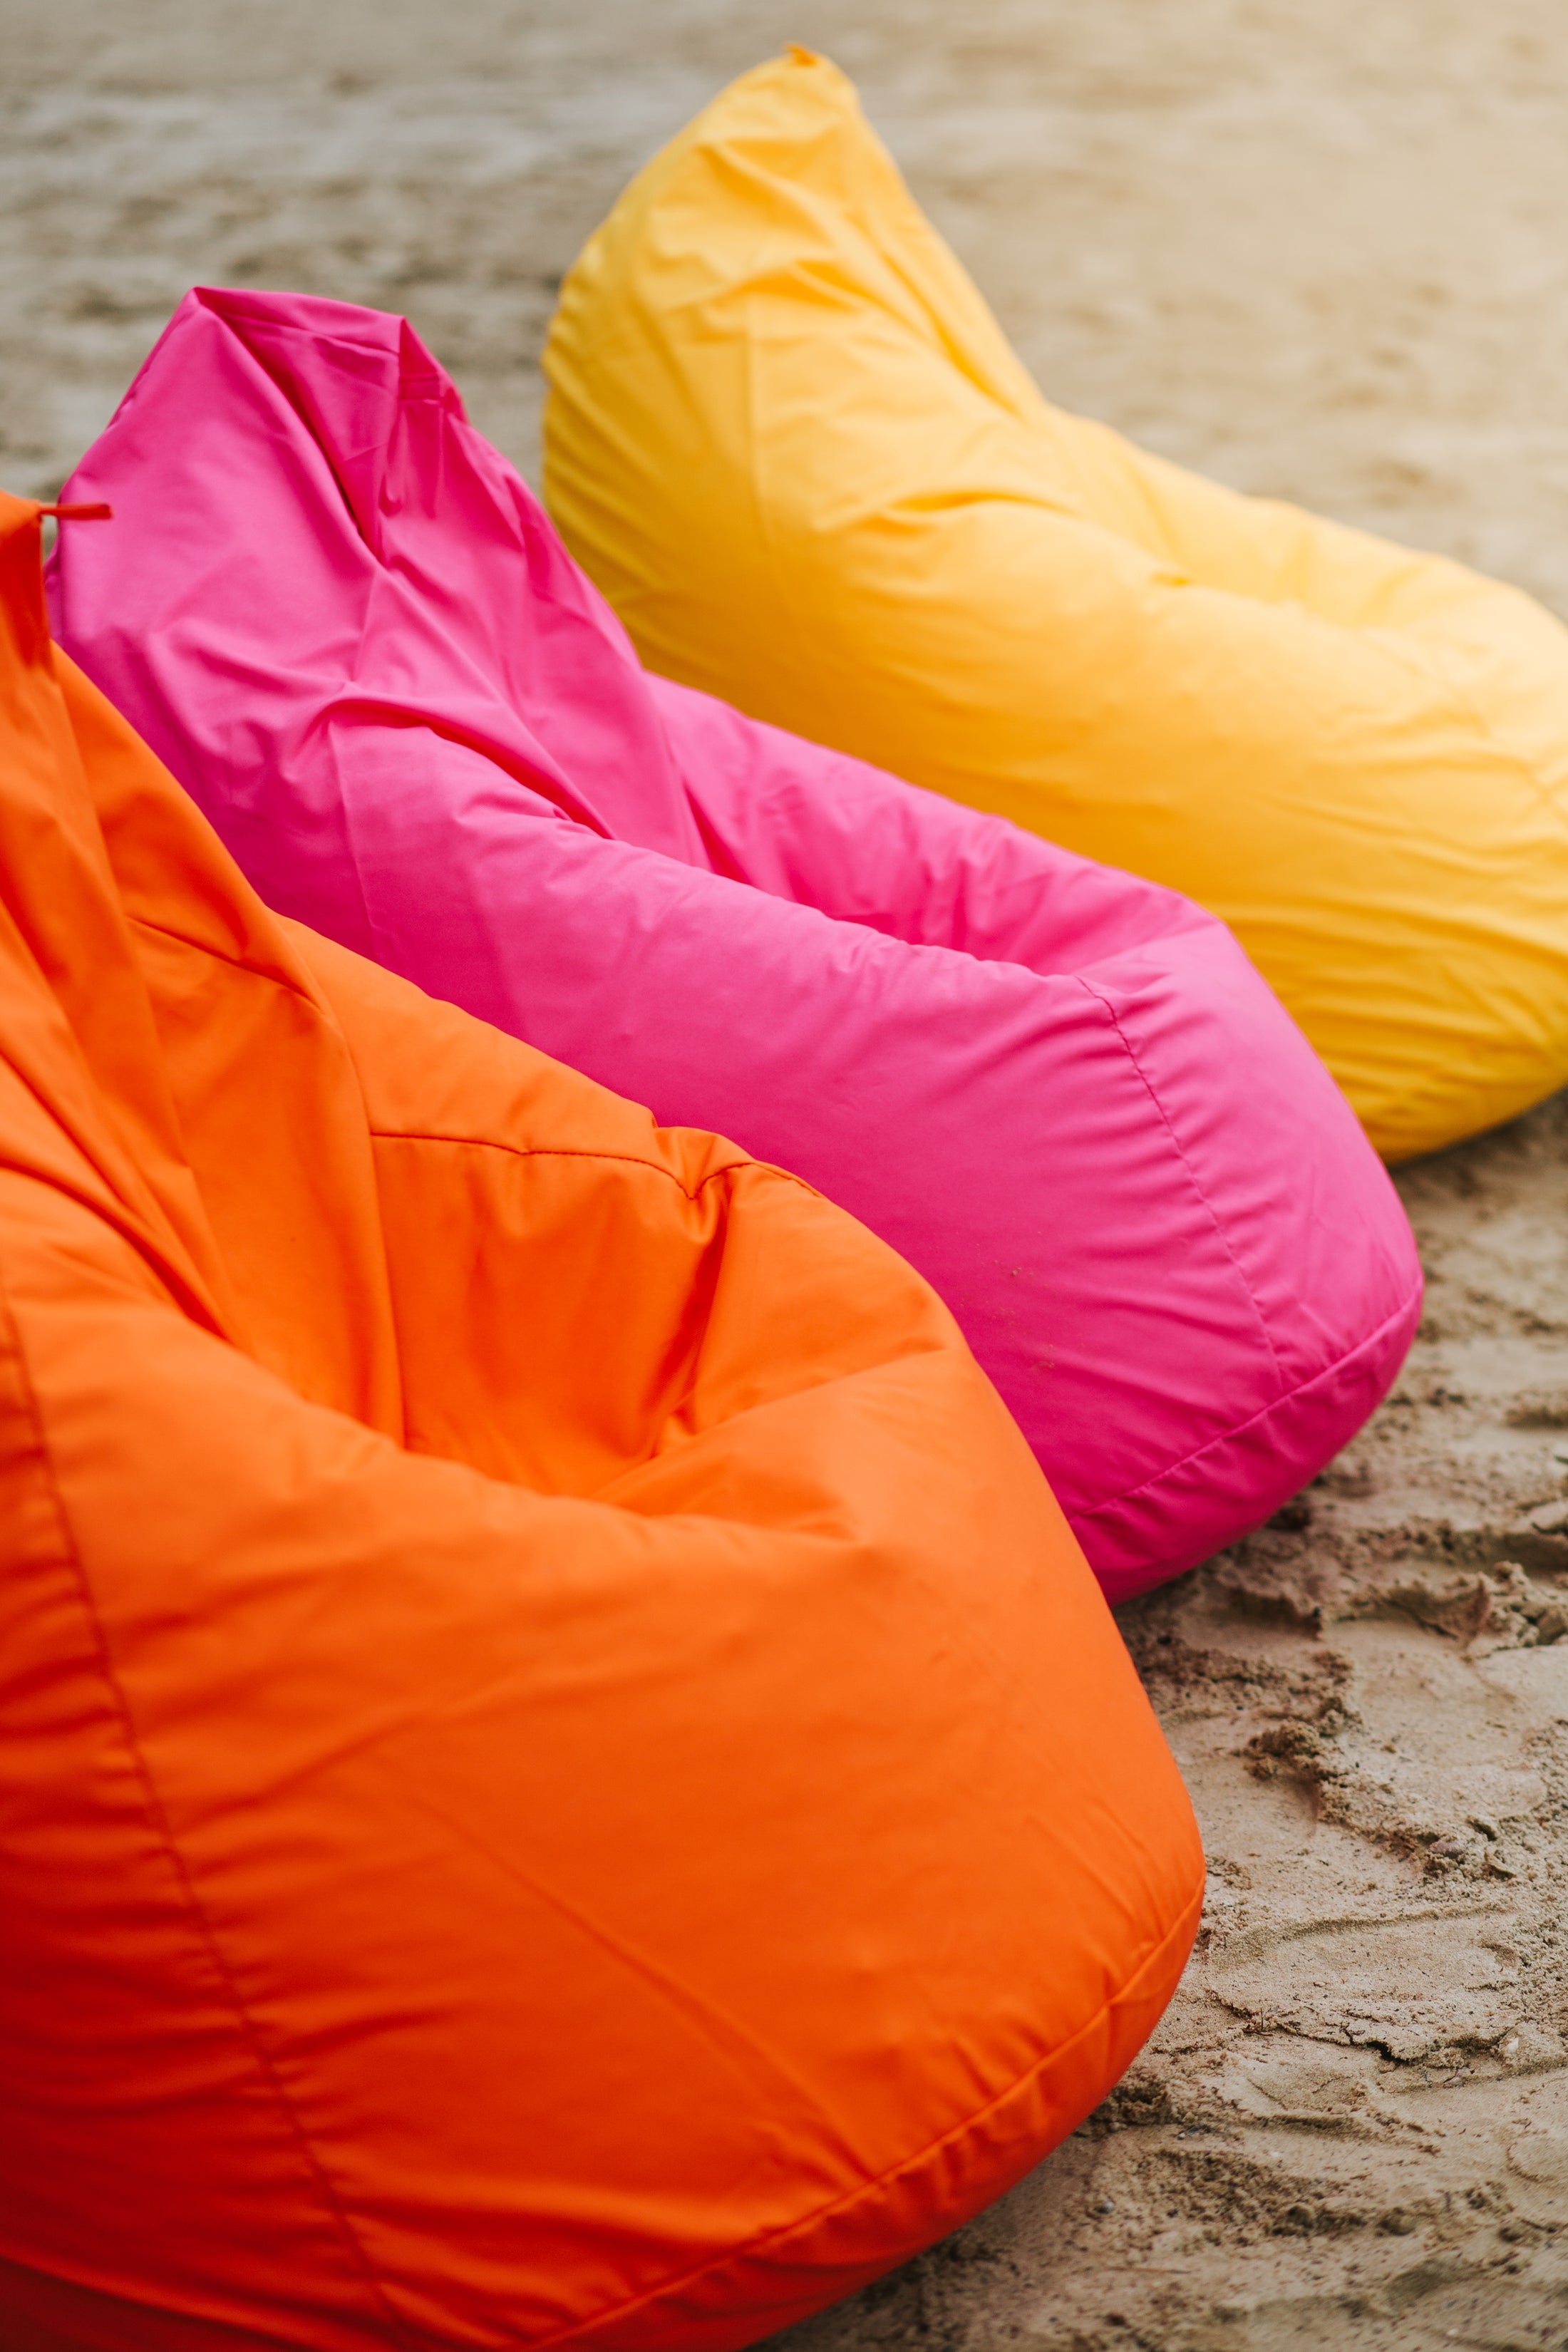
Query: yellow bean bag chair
{"x":788,"y":439}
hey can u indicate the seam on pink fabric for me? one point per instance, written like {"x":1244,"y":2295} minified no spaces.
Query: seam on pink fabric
{"x":159,"y":1820}
{"x":1180,"y":1149}
{"x":1184,"y":1926}
{"x":1241,"y":1428}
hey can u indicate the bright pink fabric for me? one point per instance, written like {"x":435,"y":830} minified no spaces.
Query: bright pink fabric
{"x":1063,"y":1093}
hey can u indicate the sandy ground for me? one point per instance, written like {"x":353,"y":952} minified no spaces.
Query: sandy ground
{"x":1320,"y":251}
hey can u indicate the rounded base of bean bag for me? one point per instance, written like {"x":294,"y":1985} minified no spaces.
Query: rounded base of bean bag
{"x":564,"y":1782}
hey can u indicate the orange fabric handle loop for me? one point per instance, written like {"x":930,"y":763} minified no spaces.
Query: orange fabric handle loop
{"x":100,"y":511}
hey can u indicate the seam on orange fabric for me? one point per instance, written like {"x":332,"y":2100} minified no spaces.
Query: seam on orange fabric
{"x":317,"y":1004}
{"x":320,"y":1006}
{"x":483,"y":1142}
{"x":568,"y":1151}
{"x":1184,"y":1926}
{"x":159,"y":1822}
{"x":1177,"y":1147}
{"x":1241,"y":1428}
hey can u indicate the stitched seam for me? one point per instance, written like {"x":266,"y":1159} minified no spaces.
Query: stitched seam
{"x":220,"y":955}
{"x":480,"y":1142}
{"x":159,"y":1822}
{"x":1179,"y":1150}
{"x":1241,"y":1428}
{"x":907,"y":2164}
{"x":568,"y":1151}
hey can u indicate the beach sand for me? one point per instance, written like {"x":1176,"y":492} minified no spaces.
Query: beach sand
{"x":1321,"y":253}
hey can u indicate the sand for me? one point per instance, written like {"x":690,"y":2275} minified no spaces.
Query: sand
{"x":1320,"y":252}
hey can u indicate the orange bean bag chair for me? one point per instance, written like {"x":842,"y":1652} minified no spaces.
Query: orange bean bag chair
{"x":564,"y":1780}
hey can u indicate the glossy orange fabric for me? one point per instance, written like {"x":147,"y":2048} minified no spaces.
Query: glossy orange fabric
{"x":563,"y":1780}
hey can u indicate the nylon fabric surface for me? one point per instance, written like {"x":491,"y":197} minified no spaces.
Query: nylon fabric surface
{"x":1062,"y":1093}
{"x":564,"y":1781}
{"x":786,"y":437}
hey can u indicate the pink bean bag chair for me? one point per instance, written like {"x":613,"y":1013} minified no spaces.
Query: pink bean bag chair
{"x":1064,"y":1095}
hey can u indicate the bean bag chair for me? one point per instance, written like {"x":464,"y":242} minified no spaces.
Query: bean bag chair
{"x":564,"y":1779}
{"x":787,"y":439}
{"x":1062,"y":1094}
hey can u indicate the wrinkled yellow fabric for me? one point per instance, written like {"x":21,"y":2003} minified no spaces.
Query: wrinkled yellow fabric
{"x":789,"y":441}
